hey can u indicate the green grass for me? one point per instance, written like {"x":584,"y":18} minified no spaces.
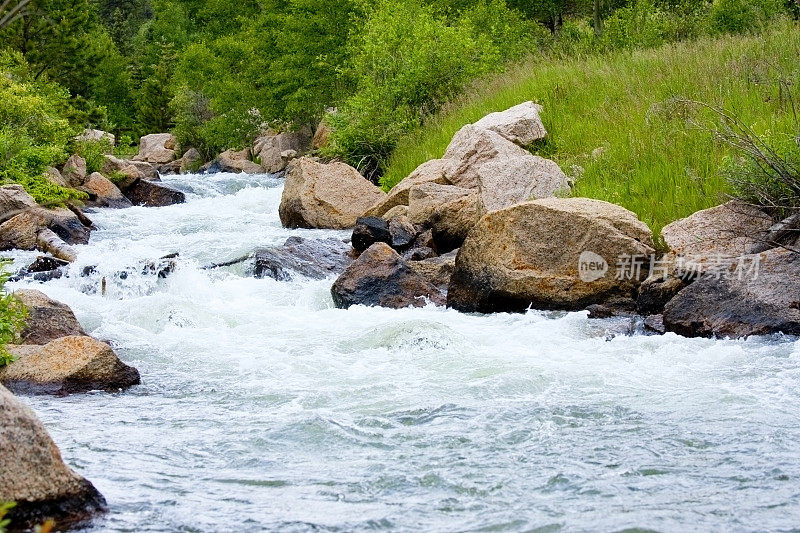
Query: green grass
{"x":617,"y":122}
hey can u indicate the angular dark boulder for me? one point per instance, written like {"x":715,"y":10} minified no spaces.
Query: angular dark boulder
{"x":148,"y":194}
{"x":750,"y":301}
{"x":380,"y":277}
{"x":368,"y":231}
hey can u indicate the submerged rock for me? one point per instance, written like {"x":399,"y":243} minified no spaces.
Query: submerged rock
{"x":380,"y":277}
{"x":312,"y":258}
{"x":757,"y":296}
{"x":47,"y":319}
{"x":34,"y":475}
{"x":331,"y":196}
{"x":555,"y":253}
{"x":67,"y":365}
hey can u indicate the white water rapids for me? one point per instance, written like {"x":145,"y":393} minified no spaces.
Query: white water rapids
{"x":262,"y":407}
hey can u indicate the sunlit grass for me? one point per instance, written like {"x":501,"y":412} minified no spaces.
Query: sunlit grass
{"x":618,"y":124}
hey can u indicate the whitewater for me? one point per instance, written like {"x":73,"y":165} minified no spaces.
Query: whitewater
{"x":263,"y":407}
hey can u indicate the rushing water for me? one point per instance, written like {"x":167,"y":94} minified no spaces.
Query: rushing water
{"x":262,"y":407}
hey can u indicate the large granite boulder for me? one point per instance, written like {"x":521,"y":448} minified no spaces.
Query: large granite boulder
{"x":67,"y":365}
{"x":47,"y":319}
{"x":34,"y":475}
{"x":758,"y":294}
{"x":74,"y":171}
{"x":429,"y":172}
{"x":520,"y":124}
{"x":554,"y":253}
{"x":157,"y":148}
{"x":318,"y":195}
{"x":235,"y":162}
{"x":14,"y":200}
{"x":380,"y":277}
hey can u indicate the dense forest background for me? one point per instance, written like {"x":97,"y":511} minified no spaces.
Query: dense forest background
{"x":219,"y":72}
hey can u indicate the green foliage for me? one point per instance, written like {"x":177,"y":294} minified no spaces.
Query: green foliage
{"x":12,"y":321}
{"x":738,"y":16}
{"x":94,"y":152}
{"x":615,"y":124}
{"x":409,"y":60}
{"x":4,"y":509}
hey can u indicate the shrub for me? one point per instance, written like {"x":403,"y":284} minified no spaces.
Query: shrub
{"x":739,"y":16}
{"x":12,"y":320}
{"x":94,"y":152}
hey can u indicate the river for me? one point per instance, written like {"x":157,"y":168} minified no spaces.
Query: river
{"x":262,"y":407}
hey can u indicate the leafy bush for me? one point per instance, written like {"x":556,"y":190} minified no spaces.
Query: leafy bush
{"x":738,"y":16}
{"x":12,"y":320}
{"x":94,"y":152}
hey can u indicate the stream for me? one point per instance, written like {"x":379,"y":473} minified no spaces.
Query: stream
{"x":262,"y":407}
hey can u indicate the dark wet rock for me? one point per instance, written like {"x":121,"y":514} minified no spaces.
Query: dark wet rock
{"x":312,"y":258}
{"x":437,"y":270}
{"x":658,"y":289}
{"x":750,"y":301}
{"x":34,"y":474}
{"x":380,"y":277}
{"x":402,"y":231}
{"x":422,"y":248}
{"x":149,"y":194}
{"x":163,"y":267}
{"x":655,"y":323}
{"x":368,"y":231}
{"x":67,"y":365}
{"x":47,"y":318}
{"x":613,"y":307}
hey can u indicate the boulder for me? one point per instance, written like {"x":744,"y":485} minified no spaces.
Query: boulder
{"x":103,"y":193}
{"x":311,"y":258}
{"x":34,"y":474}
{"x":426,"y":198}
{"x":43,"y":268}
{"x":91,"y":135}
{"x":555,"y":253}
{"x":67,"y":365}
{"x":368,"y":231}
{"x":55,"y":177}
{"x":520,"y":124}
{"x":70,"y":224}
{"x":191,"y":161}
{"x":21,"y":231}
{"x":147,"y":170}
{"x":396,"y":211}
{"x":436,"y":270}
{"x":422,"y":248}
{"x":74,"y":171}
{"x":235,"y":162}
{"x":380,"y":277}
{"x":757,"y":295}
{"x":471,"y":148}
{"x":450,"y":222}
{"x":725,"y":231}
{"x":402,"y":232}
{"x":273,"y":149}
{"x":321,"y":136}
{"x":149,"y":194}
{"x":47,"y":319}
{"x":157,"y":148}
{"x":505,"y":182}
{"x":318,"y":195}
{"x":13,"y":200}
{"x":429,"y":172}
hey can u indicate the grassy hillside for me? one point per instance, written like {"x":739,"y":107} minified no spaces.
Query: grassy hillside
{"x":618,"y":123}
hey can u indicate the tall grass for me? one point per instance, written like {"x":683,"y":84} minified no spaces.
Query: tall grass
{"x":619,"y":124}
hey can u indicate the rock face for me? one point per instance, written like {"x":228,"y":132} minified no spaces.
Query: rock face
{"x":47,"y":319}
{"x":67,"y":365}
{"x":380,"y":277}
{"x":328,"y":196}
{"x":316,"y":259}
{"x":520,"y":124}
{"x":275,"y":150}
{"x":759,"y":296}
{"x":157,"y":148}
{"x":728,"y":230}
{"x":103,"y":193}
{"x":149,"y":194}
{"x":34,"y":474}
{"x":550,"y":254}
